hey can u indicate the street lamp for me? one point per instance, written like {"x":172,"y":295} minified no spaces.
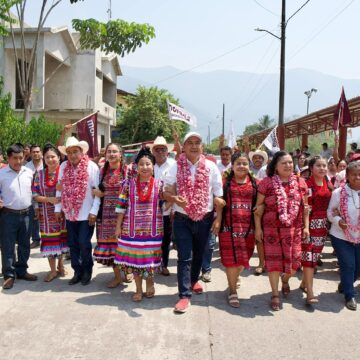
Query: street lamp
{"x":309,"y":93}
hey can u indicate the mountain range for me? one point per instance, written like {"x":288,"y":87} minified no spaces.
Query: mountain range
{"x":247,"y":96}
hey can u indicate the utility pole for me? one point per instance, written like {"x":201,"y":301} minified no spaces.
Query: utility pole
{"x":109,"y":11}
{"x":282,"y":38}
{"x":281,"y":130}
{"x":223,"y":120}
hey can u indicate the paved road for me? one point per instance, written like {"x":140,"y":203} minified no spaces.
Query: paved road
{"x":57,"y":321}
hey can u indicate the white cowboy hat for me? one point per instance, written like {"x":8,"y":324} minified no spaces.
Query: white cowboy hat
{"x":72,"y":141}
{"x":261,"y":153}
{"x":160,"y":141}
{"x":192,"y":134}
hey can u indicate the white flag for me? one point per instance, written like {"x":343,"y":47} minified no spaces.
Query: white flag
{"x":178,"y":113}
{"x":271,"y":141}
{"x":231,"y":139}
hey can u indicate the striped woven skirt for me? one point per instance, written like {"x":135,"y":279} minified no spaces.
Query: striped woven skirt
{"x":140,"y":255}
{"x":55,"y":244}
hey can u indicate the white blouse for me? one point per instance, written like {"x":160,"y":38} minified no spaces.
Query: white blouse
{"x":353,"y":210}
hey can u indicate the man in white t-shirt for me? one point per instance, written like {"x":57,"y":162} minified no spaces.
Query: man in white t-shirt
{"x":160,"y":149}
{"x":194,"y":185}
{"x":225,"y":162}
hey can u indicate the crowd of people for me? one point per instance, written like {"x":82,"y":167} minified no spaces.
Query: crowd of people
{"x":285,"y":205}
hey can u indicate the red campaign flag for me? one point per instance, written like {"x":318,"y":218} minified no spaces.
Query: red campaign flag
{"x":87,"y":130}
{"x":342,"y":116}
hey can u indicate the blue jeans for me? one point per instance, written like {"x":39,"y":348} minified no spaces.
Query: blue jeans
{"x":348,"y":255}
{"x":165,"y":246}
{"x":208,"y":253}
{"x":191,"y":238}
{"x":15,"y":228}
{"x":79,"y":241}
{"x":35,"y":231}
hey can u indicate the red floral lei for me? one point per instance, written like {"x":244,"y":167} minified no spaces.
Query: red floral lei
{"x":344,"y":212}
{"x":288,"y":204}
{"x":144,"y":197}
{"x":51,"y":182}
{"x":197,"y":194}
{"x":74,"y":185}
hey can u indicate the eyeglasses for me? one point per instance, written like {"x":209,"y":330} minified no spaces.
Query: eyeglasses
{"x":160,"y":149}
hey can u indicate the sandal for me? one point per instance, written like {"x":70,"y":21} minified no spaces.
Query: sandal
{"x":114,"y":283}
{"x":312,"y":301}
{"x":259,"y":270}
{"x":137,"y":297}
{"x":51,"y":276}
{"x":150,"y":289}
{"x":233,"y":301}
{"x":275,"y":305}
{"x":61,"y":271}
{"x":285,"y":289}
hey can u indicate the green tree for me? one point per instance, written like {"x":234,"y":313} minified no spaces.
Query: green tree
{"x":265,"y":122}
{"x":146,"y":117}
{"x":115,"y":36}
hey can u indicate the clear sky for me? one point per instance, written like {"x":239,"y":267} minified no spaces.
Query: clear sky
{"x":323,"y":36}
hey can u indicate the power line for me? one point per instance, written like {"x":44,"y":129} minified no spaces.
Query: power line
{"x":320,"y":31}
{"x":210,"y":61}
{"x":266,"y":9}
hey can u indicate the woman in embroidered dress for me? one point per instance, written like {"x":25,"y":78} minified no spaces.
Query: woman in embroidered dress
{"x":139,"y":226}
{"x":53,"y":233}
{"x":280,"y":227}
{"x":111,"y":176}
{"x":236,"y":237}
{"x":344,"y":215}
{"x":319,"y":194}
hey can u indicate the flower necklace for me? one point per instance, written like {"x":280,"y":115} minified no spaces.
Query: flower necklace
{"x":51,"y":181}
{"x":344,"y":212}
{"x":197,"y":193}
{"x":74,"y":184}
{"x":288,"y":204}
{"x":144,"y":193}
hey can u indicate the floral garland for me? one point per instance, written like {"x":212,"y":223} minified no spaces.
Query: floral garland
{"x":197,"y":194}
{"x":344,"y":213}
{"x":144,"y":192}
{"x":74,"y":185}
{"x":288,"y":204}
{"x":49,"y":180}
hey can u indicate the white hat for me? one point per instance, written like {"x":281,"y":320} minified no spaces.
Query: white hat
{"x":192,"y":134}
{"x":72,"y":141}
{"x":261,"y":153}
{"x":160,"y":141}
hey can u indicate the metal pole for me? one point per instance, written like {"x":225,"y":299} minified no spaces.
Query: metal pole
{"x":209,"y":134}
{"x":223,"y":120}
{"x":307,"y":108}
{"x":281,"y":134}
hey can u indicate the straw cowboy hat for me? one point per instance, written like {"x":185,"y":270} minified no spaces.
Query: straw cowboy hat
{"x":72,"y":141}
{"x":160,"y":141}
{"x":261,"y":153}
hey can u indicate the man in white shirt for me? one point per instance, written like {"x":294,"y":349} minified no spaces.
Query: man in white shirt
{"x":78,"y":176}
{"x":15,"y":220}
{"x":326,"y":153}
{"x":225,"y":162}
{"x":35,"y":165}
{"x":194,"y":185}
{"x":160,"y":149}
{"x":259,"y":160}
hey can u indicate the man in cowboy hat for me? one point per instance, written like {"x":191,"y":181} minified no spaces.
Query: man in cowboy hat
{"x":194,"y":185}
{"x":160,"y":149}
{"x":78,"y":176}
{"x":259,"y":160}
